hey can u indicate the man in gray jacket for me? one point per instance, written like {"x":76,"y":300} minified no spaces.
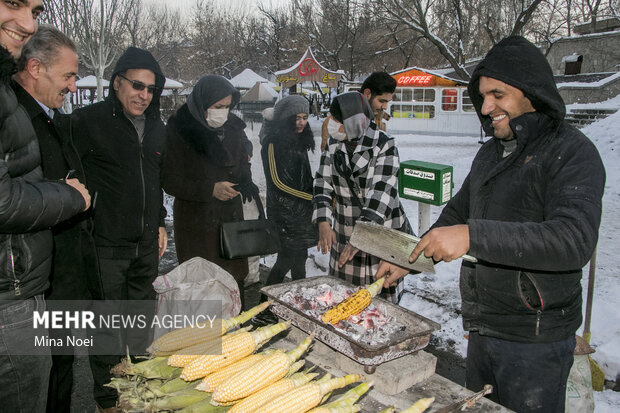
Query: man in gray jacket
{"x":29,"y":206}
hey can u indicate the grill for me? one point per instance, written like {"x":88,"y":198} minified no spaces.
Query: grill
{"x":413,"y":337}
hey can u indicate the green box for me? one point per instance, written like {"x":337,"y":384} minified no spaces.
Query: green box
{"x":426,"y":182}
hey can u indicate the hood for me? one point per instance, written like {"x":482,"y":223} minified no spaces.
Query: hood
{"x":519,"y":63}
{"x":209,"y":90}
{"x":354,"y":112}
{"x":135,"y":58}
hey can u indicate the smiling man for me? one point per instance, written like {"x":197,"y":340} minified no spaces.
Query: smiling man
{"x":29,"y":206}
{"x":529,"y":211}
{"x":46,"y":73}
{"x":121,"y":143}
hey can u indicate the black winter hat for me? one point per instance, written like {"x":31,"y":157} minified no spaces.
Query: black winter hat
{"x":134,"y":58}
{"x":519,"y":63}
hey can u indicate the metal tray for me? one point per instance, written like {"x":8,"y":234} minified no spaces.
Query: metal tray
{"x":414,"y":337}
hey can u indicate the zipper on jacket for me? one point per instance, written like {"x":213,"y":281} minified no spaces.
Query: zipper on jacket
{"x":538,"y":317}
{"x":140,"y":157}
{"x":16,"y":286}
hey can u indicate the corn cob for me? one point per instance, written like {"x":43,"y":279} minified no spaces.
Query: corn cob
{"x":274,"y":367}
{"x":350,"y":397}
{"x":295,"y":367}
{"x":304,"y":398}
{"x":345,"y":408}
{"x":155,"y":368}
{"x":233,"y":349}
{"x":210,"y":382}
{"x":256,"y":400}
{"x":177,"y":400}
{"x":202,"y":407}
{"x":390,"y":409}
{"x":173,"y":386}
{"x":188,"y":354}
{"x":291,"y":371}
{"x":353,"y":304}
{"x":420,"y":405}
{"x":201,"y":332}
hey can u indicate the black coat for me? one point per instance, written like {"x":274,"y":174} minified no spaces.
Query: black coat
{"x":195,"y":160}
{"x":29,"y":205}
{"x":75,"y":273}
{"x":124,"y":173}
{"x":533,"y":216}
{"x":289,"y":189}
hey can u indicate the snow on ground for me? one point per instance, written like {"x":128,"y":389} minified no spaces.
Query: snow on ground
{"x":437,"y":297}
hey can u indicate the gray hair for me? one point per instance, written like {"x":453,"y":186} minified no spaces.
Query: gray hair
{"x":45,"y":45}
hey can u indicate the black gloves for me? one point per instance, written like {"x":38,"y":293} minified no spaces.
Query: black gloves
{"x":248,"y":191}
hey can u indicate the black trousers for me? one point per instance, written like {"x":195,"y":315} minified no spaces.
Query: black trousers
{"x":123,"y":279}
{"x":288,"y":260}
{"x":526,"y":377}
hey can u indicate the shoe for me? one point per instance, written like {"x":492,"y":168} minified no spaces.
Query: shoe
{"x":264,"y":318}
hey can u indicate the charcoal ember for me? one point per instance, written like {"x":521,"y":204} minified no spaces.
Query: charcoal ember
{"x":371,"y":326}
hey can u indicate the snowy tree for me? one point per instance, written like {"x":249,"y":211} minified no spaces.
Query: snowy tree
{"x":453,"y":25}
{"x":98,"y":26}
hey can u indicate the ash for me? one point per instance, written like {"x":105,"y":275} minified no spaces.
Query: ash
{"x":372,"y":326}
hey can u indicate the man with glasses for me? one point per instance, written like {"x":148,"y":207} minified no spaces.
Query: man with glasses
{"x":121,"y":143}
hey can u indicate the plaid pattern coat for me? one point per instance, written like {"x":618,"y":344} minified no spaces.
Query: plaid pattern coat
{"x":365,"y":187}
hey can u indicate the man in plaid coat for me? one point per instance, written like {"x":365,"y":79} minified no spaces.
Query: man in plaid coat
{"x":359,"y":170}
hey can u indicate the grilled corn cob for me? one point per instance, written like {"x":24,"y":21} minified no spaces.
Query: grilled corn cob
{"x":353,"y":304}
{"x":201,"y":332}
{"x":304,"y":398}
{"x":256,"y":400}
{"x":260,"y":375}
{"x":420,"y":405}
{"x":234,"y":348}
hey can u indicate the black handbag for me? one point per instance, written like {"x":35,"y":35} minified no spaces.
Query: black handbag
{"x":239,"y":239}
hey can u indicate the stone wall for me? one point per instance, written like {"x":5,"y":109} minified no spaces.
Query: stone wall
{"x":601,"y":52}
{"x":572,"y":94}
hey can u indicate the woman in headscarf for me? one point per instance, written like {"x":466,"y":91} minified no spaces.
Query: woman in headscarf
{"x":284,"y":152}
{"x":359,"y":169}
{"x":207,"y":170}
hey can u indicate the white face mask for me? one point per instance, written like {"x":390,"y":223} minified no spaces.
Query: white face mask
{"x":333,"y":127}
{"x":216,"y":118}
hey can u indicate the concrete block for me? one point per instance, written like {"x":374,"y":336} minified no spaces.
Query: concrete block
{"x":390,"y":378}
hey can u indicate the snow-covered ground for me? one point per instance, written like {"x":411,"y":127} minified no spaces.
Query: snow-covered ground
{"x":436,"y":296}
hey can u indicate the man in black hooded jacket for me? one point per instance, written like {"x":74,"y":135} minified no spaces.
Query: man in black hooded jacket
{"x":121,"y":143}
{"x":529,"y":211}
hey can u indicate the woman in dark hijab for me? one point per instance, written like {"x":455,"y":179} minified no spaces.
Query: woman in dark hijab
{"x":207,"y":170}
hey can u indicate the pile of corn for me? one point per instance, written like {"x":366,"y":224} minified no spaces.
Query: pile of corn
{"x":352,"y":305}
{"x":194,"y":370}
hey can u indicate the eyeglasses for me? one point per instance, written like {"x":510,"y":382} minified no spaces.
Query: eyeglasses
{"x":139,"y":86}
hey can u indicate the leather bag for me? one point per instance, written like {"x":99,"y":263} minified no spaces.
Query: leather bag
{"x":239,"y":239}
